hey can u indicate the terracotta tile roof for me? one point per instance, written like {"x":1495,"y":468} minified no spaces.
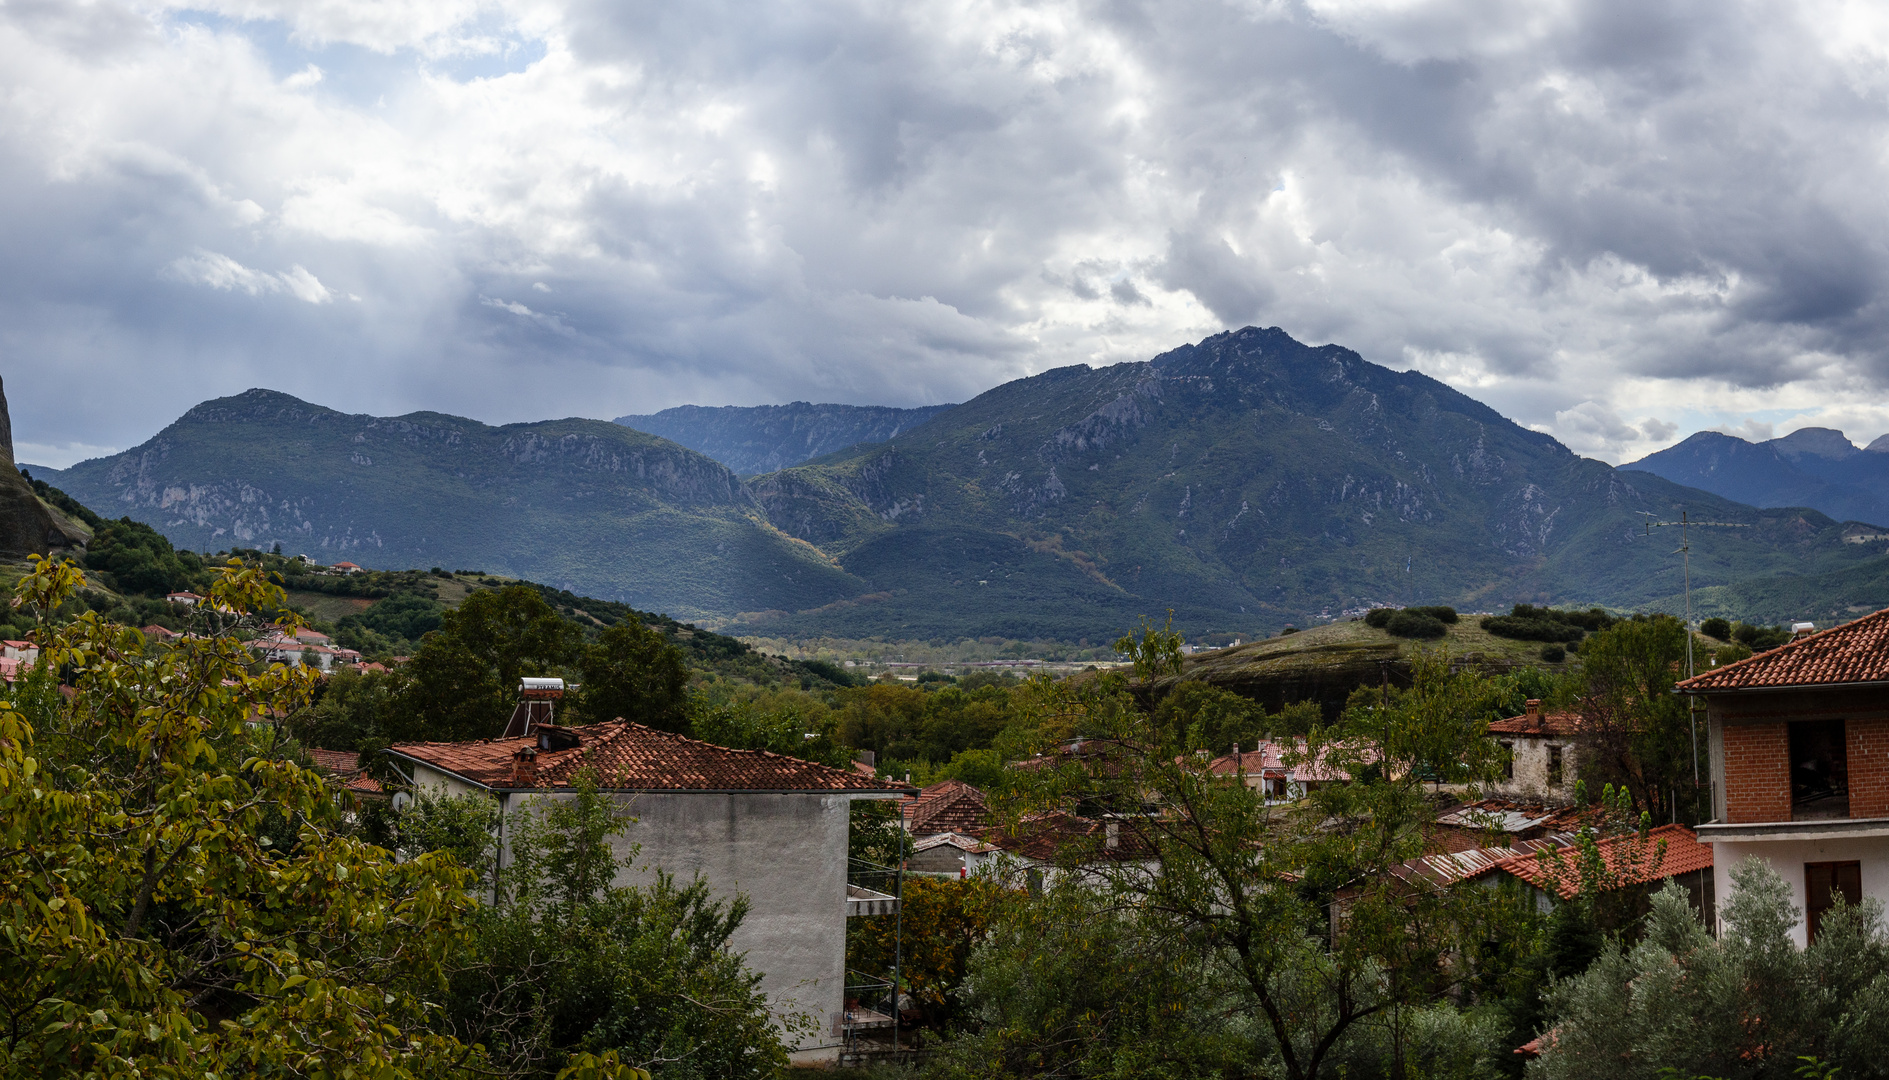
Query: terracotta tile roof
{"x":1539,"y":724}
{"x":1856,"y":652}
{"x":1040,"y":837}
{"x":1268,"y":759}
{"x":631,"y":757}
{"x":335,"y":761}
{"x":948,"y":806}
{"x":1447,"y":869}
{"x":1683,"y":855}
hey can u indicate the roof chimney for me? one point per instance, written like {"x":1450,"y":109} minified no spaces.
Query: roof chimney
{"x":525,"y":767}
{"x":1532,"y":709}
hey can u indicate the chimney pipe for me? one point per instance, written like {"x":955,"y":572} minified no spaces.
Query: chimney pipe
{"x":525,"y":767}
{"x":1114,"y":834}
{"x":1533,"y":708}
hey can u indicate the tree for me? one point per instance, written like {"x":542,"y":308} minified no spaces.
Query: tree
{"x":149,"y":923}
{"x":1288,"y":921}
{"x":463,"y":682}
{"x":632,"y":672}
{"x":1638,"y":732}
{"x":1744,"y":1006}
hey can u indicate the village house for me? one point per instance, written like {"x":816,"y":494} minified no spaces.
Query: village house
{"x":1799,"y":743}
{"x":183,"y":599}
{"x":1264,"y":769}
{"x":346,"y":568}
{"x":751,"y":823}
{"x":1545,"y":868}
{"x":1543,"y":754}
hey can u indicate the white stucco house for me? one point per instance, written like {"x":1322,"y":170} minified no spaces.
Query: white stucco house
{"x":761,"y":825}
{"x":1799,"y":740}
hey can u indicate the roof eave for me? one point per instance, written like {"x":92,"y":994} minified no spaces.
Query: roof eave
{"x":858,"y":793}
{"x":1864,"y":685}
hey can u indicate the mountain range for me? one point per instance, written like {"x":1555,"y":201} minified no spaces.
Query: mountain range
{"x":1814,"y":467}
{"x":1244,"y":482}
{"x":763,"y":438}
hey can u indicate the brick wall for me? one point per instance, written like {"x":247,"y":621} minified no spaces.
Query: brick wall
{"x":1868,"y":747}
{"x":1757,"y":773}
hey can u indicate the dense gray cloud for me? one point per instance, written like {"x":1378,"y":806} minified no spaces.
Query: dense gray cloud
{"x":1616,"y":221}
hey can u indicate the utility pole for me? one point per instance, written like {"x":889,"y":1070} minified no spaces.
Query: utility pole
{"x":1686,"y":525}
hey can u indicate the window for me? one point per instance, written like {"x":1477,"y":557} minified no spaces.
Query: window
{"x":1823,"y":883}
{"x":1508,"y":759}
{"x":1820,"y":770}
{"x":1554,"y":766}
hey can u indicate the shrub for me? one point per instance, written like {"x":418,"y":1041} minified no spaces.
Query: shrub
{"x":1716,"y":628}
{"x":1440,"y":614}
{"x":1412,"y":624}
{"x":1760,"y":638}
{"x":1553,"y":653}
{"x":1378,"y":617}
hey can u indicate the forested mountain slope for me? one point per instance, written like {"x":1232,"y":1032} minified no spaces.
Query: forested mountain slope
{"x":1245,"y":481}
{"x":583,"y":504}
{"x":763,"y":438}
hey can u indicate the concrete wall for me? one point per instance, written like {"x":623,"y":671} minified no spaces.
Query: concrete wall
{"x":1788,"y":857}
{"x":787,"y":855}
{"x":1532,"y":756}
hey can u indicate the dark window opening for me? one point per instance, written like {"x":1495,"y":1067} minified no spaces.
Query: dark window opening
{"x":1823,"y":883}
{"x":1554,"y":766}
{"x":1820,"y":771}
{"x":1508,"y":760}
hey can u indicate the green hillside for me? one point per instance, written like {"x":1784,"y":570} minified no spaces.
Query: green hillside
{"x":1245,"y":482}
{"x":587,"y":505}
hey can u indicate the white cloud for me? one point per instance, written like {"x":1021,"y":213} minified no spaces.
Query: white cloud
{"x":1618,"y":223}
{"x":222,"y":272}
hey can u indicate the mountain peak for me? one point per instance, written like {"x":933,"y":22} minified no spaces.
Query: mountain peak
{"x":1822,"y":441}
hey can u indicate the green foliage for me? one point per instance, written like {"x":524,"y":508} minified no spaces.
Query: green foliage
{"x":1553,"y":654}
{"x":151,"y":923}
{"x":633,"y":673}
{"x":463,"y":682}
{"x":1717,"y":628}
{"x":1156,"y":653}
{"x":138,"y":559}
{"x":399,"y":621}
{"x":1526,"y":622}
{"x":942,"y":921}
{"x":1639,"y":733}
{"x":1760,"y":638}
{"x":1411,"y":624}
{"x":463,"y":828}
{"x":1730,"y":653}
{"x":1743,"y":1006}
{"x":1216,"y":949}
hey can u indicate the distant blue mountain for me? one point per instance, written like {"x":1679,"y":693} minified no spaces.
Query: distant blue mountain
{"x":765,"y":438}
{"x":1815,"y":467}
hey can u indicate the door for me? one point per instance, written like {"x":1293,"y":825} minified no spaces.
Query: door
{"x":1823,"y":883}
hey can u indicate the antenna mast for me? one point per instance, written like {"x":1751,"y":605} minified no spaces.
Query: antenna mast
{"x":1686,"y":525}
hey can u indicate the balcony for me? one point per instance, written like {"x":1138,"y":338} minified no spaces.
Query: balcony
{"x":863,"y":901}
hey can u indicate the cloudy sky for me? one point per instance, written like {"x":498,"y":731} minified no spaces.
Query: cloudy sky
{"x":1619,"y":221}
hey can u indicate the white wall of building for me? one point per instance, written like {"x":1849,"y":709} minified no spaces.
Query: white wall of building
{"x":1532,"y":779}
{"x":785,"y":853}
{"x":1788,"y":857}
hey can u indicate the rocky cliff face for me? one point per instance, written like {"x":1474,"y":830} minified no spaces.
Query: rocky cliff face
{"x":28,"y":526}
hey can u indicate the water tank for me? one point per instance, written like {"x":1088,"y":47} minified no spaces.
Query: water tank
{"x":536,"y":687}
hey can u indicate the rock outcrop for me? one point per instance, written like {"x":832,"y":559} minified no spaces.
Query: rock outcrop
{"x":27,"y":525}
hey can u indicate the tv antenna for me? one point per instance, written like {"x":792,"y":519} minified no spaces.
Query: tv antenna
{"x":1686,"y":525}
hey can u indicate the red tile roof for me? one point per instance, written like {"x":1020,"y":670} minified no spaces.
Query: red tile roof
{"x":948,"y":806}
{"x":1856,"y":652}
{"x":631,"y":757}
{"x":335,"y":761}
{"x":1683,"y":855}
{"x":1040,"y":837}
{"x":1539,"y":724}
